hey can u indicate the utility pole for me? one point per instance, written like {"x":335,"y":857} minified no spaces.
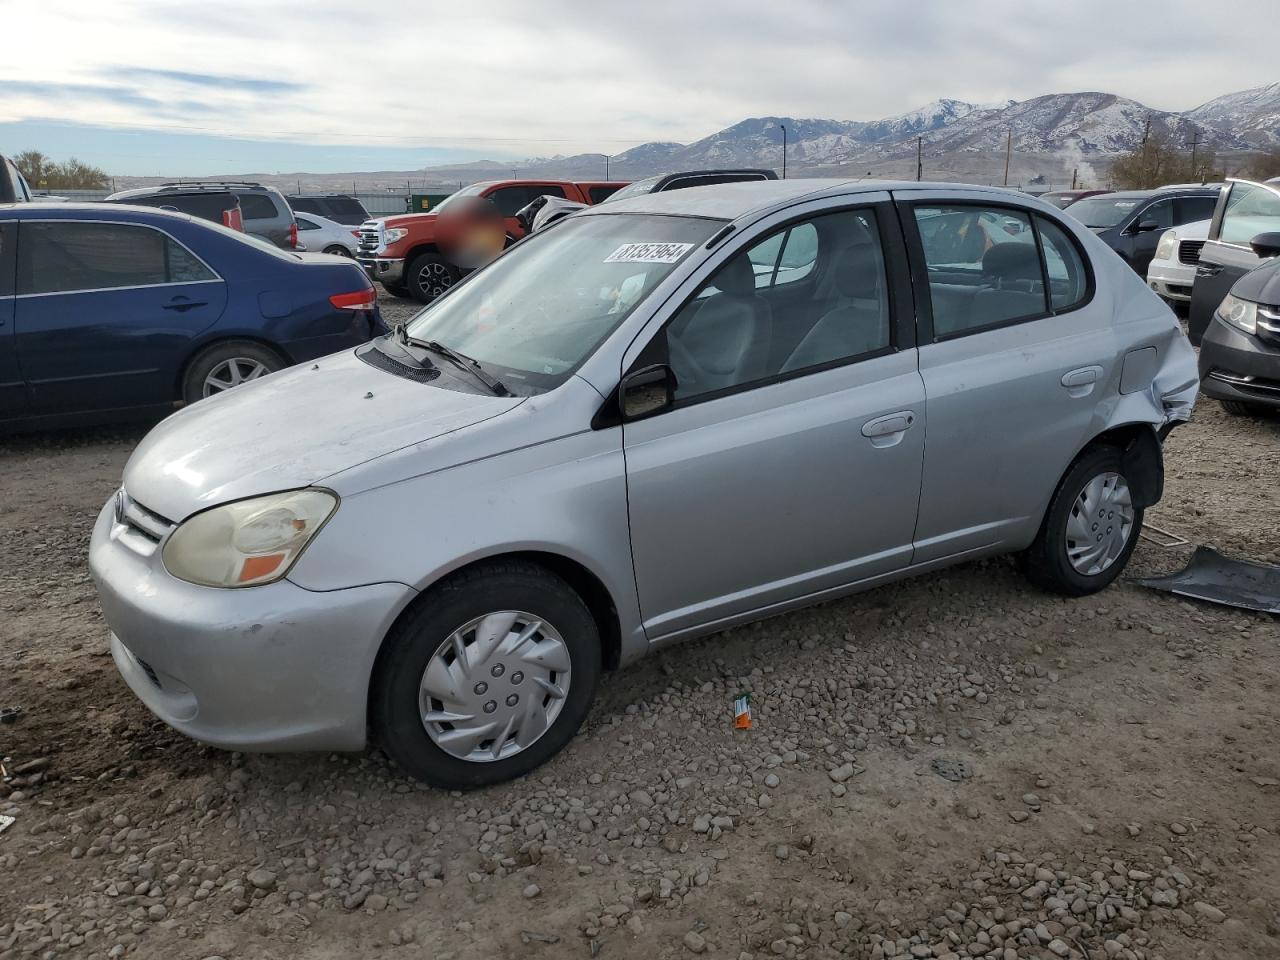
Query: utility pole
{"x":1074,"y":173}
{"x":606,"y":166}
{"x":919,"y":158}
{"x":784,"y":150}
{"x":1008,"y":150}
{"x":1195,"y":141}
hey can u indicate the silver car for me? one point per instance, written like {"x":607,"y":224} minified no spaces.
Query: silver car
{"x":657,"y":419}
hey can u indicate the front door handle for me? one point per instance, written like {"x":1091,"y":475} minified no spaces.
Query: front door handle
{"x":888,"y":430}
{"x":1079,"y":382}
{"x":182,"y":303}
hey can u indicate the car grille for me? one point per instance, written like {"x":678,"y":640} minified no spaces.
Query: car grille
{"x":1189,"y":251}
{"x":370,"y":236}
{"x":143,"y":528}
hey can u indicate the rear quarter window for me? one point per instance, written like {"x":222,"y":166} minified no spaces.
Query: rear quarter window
{"x":257,"y":206}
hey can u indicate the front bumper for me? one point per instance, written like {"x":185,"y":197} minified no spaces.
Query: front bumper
{"x":1240,"y":367}
{"x":275,"y":667}
{"x":383,"y":269}
{"x":1172,"y":281}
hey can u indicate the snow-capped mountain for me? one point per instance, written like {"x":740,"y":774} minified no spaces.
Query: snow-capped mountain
{"x":1253,"y":115}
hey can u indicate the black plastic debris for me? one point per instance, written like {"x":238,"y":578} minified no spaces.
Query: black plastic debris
{"x":1218,"y":579}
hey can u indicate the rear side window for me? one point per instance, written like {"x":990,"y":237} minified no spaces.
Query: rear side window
{"x":257,"y":206}
{"x":306,"y":205}
{"x":68,"y":256}
{"x":346,"y":210}
{"x":984,"y":268}
{"x":206,"y":206}
{"x":1250,"y":210}
{"x":1068,"y":280}
{"x":1191,"y":209}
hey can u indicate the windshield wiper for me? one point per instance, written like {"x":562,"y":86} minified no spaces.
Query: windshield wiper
{"x":462,"y":360}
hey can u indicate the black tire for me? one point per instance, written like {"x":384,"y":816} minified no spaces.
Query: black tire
{"x":396,"y":290}
{"x":428,"y":275}
{"x":1046,"y":562}
{"x":206,"y":361}
{"x":1238,"y":409}
{"x":338,"y":250}
{"x":396,"y":722}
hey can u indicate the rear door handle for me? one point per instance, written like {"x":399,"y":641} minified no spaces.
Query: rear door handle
{"x":888,"y":430}
{"x":1079,"y":382}
{"x":182,"y":304}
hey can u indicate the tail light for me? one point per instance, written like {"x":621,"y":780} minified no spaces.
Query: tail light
{"x":293,"y":235}
{"x":358,"y":300}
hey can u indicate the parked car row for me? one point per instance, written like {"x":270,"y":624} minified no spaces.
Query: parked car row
{"x":438,"y":541}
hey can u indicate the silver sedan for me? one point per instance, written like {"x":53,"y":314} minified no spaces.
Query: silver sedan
{"x":657,"y":419}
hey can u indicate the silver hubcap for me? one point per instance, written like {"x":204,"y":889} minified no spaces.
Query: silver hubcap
{"x":232,"y":373}
{"x":494,"y":686}
{"x":1100,"y":524}
{"x":435,"y":279}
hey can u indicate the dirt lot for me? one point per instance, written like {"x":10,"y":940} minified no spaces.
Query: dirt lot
{"x":1119,"y":791}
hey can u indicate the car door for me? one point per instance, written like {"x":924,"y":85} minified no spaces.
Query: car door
{"x":1011,"y":377}
{"x":1244,"y":210}
{"x":1139,"y":245}
{"x":789,"y":464}
{"x":511,"y":200}
{"x":104,"y":311}
{"x":13,"y":389}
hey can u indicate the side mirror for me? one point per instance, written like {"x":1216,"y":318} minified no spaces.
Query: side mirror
{"x":1266,"y":245}
{"x":647,"y":391}
{"x":1146,"y":226}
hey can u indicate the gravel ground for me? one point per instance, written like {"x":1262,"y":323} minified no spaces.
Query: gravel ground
{"x":1115,"y":788}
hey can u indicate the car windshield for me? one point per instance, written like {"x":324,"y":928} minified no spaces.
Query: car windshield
{"x":534,"y":314}
{"x":471,"y":191}
{"x":1103,"y":211}
{"x":637,"y":189}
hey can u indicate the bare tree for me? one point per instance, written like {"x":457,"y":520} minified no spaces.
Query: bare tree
{"x":32,"y":164}
{"x":44,"y":174}
{"x":1266,"y":165}
{"x":1159,"y":160}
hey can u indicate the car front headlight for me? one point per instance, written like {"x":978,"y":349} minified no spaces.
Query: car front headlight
{"x":394,"y":234}
{"x":249,"y":542}
{"x":1241,"y":314}
{"x":1167,"y":245}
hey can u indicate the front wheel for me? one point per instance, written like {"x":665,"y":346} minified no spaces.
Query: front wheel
{"x":338,"y":250}
{"x":1090,"y":530}
{"x":1238,"y":409}
{"x":429,"y":276}
{"x":487,"y":678}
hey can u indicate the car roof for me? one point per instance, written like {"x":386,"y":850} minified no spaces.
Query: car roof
{"x":91,"y":210}
{"x":729,"y":201}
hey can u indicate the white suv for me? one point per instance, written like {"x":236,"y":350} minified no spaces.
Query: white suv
{"x":1173,"y":268}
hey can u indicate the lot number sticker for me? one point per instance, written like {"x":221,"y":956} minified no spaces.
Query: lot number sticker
{"x":649,"y":253}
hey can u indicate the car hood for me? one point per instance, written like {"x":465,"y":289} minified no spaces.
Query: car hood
{"x":292,"y":429}
{"x":1261,"y":284}
{"x":407,"y":219}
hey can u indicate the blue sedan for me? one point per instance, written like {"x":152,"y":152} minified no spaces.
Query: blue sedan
{"x":109,"y":310}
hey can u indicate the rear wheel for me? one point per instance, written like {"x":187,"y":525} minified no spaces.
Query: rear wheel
{"x":487,"y":678}
{"x":338,"y":250}
{"x":1090,"y":529}
{"x":224,"y":366}
{"x":429,"y":276}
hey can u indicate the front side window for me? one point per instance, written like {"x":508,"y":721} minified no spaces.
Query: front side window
{"x":1103,"y":212}
{"x":509,"y":200}
{"x":68,"y":256}
{"x":1192,"y":209}
{"x":984,"y":268}
{"x":8,"y":245}
{"x":600,"y":194}
{"x":534,"y":314}
{"x":1251,"y":209}
{"x":1160,"y":213}
{"x":807,"y":296}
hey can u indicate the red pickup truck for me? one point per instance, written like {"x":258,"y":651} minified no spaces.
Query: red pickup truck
{"x":402,"y":254}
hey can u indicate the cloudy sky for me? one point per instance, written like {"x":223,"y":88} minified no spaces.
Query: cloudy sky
{"x":144,"y":86}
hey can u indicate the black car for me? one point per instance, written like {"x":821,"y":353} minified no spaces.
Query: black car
{"x":338,"y":207}
{"x":1244,"y":211}
{"x":263,"y":210}
{"x":1130,"y":222}
{"x":545,"y":210}
{"x":1240,"y":349}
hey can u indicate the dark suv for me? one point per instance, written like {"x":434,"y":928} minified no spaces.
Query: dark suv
{"x":263,"y":210}
{"x":338,"y":207}
{"x":1130,"y":222}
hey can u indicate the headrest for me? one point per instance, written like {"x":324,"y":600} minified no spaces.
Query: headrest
{"x":1012,"y":261}
{"x":737,"y":277}
{"x":857,"y":271}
